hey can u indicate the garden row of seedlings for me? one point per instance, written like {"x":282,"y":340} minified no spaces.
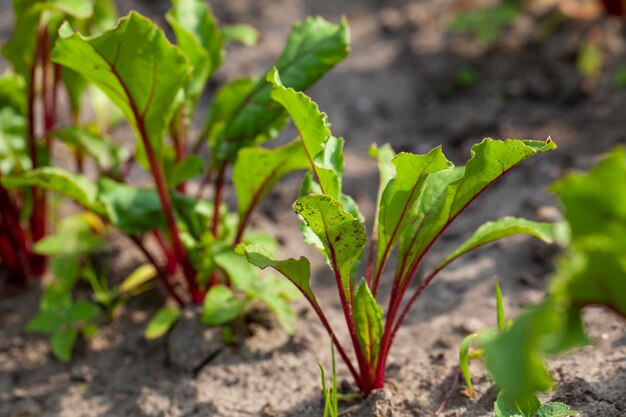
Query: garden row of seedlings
{"x":127,"y":69}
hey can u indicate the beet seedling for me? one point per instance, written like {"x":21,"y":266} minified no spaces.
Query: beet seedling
{"x":415,"y":206}
{"x":156,"y":86}
{"x":507,"y":405}
{"x":28,"y":114}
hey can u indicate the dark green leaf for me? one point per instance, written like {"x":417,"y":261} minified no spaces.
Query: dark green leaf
{"x":44,"y":322}
{"x":83,"y":311}
{"x":101,"y":148}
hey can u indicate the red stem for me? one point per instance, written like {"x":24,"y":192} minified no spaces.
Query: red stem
{"x":180,"y":143}
{"x":218,"y":200}
{"x":171,"y":264}
{"x":159,"y":180}
{"x":14,"y":250}
{"x":162,"y":275}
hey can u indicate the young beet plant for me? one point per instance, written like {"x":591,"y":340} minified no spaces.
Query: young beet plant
{"x":156,"y":86}
{"x":28,"y":114}
{"x":419,"y":197}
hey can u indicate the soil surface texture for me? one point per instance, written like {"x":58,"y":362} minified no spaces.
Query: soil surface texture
{"x":400,"y":85}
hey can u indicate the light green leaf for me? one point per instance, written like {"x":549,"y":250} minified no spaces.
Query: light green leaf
{"x":62,"y":342}
{"x":241,"y":33}
{"x":13,"y":92}
{"x":221,"y":306}
{"x":593,"y":271}
{"x":314,"y":132}
{"x":162,"y":321}
{"x":14,"y":156}
{"x":500,"y":309}
{"x":65,"y":268}
{"x":83,"y":311}
{"x":257,"y":170}
{"x":386,"y":169}
{"x":509,"y":406}
{"x":448,"y":192}
{"x":137,"y":278}
{"x":464,"y":360}
{"x":76,"y":234}
{"x":399,"y":205}
{"x":241,"y":273}
{"x":278,"y":305}
{"x":76,"y":86}
{"x":74,"y":186}
{"x":368,"y":318}
{"x":298,"y":271}
{"x":342,"y":235}
{"x":135,"y":66}
{"x":501,"y":228}
{"x":556,"y":409}
{"x":101,"y":148}
{"x":200,"y":39}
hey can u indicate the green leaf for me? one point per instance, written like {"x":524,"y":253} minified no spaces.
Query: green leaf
{"x":75,"y":235}
{"x":514,"y":357}
{"x":399,"y":205}
{"x":500,"y":309}
{"x":241,"y":273}
{"x":12,"y":93}
{"x":314,"y":132}
{"x":386,"y":169}
{"x":488,"y":23}
{"x":131,"y":209}
{"x":241,"y":33}
{"x":368,"y":318}
{"x":74,"y":186}
{"x":448,"y":192}
{"x":190,"y":167}
{"x":501,"y":228}
{"x":20,"y":50}
{"x":221,"y":306}
{"x":44,"y":322}
{"x":162,"y":321}
{"x":298,"y":271}
{"x":62,"y":342}
{"x":556,"y":409}
{"x":509,"y":406}
{"x":257,"y":170}
{"x":137,"y":278}
{"x":101,"y":148}
{"x":83,"y":311}
{"x":464,"y":360}
{"x":135,"y":66}
{"x":314,"y":47}
{"x":65,"y":268}
{"x":14,"y":156}
{"x":199,"y":37}
{"x":76,"y":86}
{"x":342,"y":235}
{"x":594,"y":269}
{"x":278,"y":305}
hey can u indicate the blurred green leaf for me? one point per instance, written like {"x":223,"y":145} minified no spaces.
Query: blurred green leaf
{"x":221,"y":306}
{"x":241,"y":33}
{"x":62,"y":342}
{"x":162,"y":321}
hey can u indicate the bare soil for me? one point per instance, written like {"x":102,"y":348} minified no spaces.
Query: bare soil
{"x":397,"y":86}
